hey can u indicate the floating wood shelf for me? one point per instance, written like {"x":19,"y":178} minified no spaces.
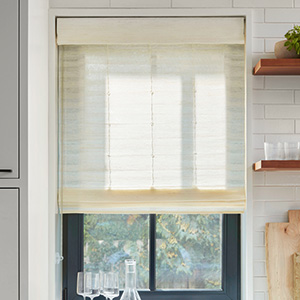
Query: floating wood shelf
{"x":287,"y":66}
{"x":277,"y":165}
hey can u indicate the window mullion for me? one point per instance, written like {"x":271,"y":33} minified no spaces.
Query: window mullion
{"x":152,"y":251}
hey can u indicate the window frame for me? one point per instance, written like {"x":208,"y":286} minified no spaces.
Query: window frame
{"x":231,"y":262}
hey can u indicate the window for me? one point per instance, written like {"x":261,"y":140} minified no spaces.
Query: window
{"x":152,"y":151}
{"x":178,"y":256}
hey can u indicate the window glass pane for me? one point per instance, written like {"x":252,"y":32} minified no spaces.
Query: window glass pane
{"x":188,"y":252}
{"x":110,"y":239}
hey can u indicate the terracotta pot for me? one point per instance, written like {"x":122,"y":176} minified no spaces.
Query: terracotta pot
{"x":281,"y":51}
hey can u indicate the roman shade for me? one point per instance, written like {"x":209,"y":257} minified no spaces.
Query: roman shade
{"x":149,"y":126}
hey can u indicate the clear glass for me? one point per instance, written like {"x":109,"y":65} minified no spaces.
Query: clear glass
{"x":274,"y":151}
{"x":111,"y":285}
{"x":130,"y":292}
{"x":291,"y":150}
{"x":269,"y":151}
{"x":110,"y":239}
{"x":280,"y":151}
{"x":189,"y":252}
{"x":101,"y":274}
{"x":93,"y":286}
{"x":83,"y":284}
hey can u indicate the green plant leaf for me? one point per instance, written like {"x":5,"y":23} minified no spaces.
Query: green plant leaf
{"x":293,"y":38}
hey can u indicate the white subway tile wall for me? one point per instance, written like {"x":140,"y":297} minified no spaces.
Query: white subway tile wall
{"x":273,"y":126}
{"x":79,"y":3}
{"x":259,"y":268}
{"x":282,"y":138}
{"x":258,"y":82}
{"x":258,"y":111}
{"x":297,"y":97}
{"x":283,"y":178}
{"x":273,"y":97}
{"x":283,"y":15}
{"x":140,"y":3}
{"x":260,"y":283}
{"x":202,"y":3}
{"x":263,"y":3}
{"x":270,"y":44}
{"x":257,"y":154}
{"x":276,"y":109}
{"x":258,"y":15}
{"x":259,"y":296}
{"x":264,"y":30}
{"x":258,"y":142}
{"x":259,"y":237}
{"x":282,"y":82}
{"x":282,"y":111}
{"x":258,"y":45}
{"x":259,"y":179}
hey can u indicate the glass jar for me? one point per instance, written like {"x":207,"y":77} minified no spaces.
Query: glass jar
{"x":130,"y":292}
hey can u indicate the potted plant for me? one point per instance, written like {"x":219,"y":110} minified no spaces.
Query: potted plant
{"x":289,"y":48}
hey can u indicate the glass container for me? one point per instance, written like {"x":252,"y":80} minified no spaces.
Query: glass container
{"x":130,"y":292}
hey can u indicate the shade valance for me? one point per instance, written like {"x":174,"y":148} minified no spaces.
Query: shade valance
{"x":95,"y":31}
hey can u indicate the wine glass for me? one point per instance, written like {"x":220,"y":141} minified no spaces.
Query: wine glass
{"x":83,"y":281}
{"x":93,"y":286}
{"x":111,"y":285}
{"x":101,"y":274}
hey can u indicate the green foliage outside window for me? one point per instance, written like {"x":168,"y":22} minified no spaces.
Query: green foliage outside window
{"x":188,"y":248}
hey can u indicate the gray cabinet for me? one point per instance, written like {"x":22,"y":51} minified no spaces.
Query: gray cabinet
{"x":9,"y":245}
{"x":9,"y":89}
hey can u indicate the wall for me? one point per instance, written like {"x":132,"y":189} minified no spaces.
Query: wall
{"x":38,"y":150}
{"x":276,"y":107}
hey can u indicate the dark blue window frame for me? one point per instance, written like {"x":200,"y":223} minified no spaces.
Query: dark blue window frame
{"x":231,"y":262}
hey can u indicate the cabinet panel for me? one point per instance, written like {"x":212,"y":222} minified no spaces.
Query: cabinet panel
{"x":9,"y":100}
{"x":9,"y":249}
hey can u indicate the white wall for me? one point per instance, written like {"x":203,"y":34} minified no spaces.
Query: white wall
{"x":276,"y":107}
{"x":38,"y":150}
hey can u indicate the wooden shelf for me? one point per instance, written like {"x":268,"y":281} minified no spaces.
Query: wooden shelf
{"x":288,"y":66}
{"x":277,"y":165}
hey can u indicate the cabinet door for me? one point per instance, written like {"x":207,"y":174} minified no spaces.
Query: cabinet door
{"x":9,"y":249}
{"x":9,"y":89}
